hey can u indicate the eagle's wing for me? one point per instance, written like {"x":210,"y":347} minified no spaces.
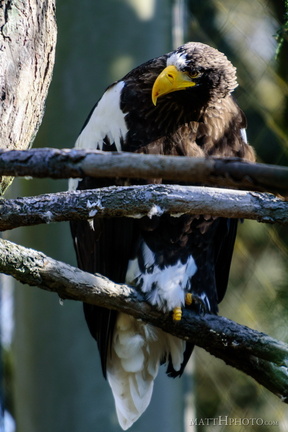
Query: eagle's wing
{"x":223,"y":254}
{"x":103,"y":246}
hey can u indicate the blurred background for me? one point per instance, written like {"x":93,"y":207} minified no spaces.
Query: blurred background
{"x":53,"y":380}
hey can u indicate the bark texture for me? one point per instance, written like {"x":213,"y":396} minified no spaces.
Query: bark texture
{"x":256,"y":354}
{"x":228,"y":172}
{"x":27,"y":47}
{"x":139,"y":201}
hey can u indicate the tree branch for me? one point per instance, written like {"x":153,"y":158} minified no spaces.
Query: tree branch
{"x":256,"y":354}
{"x":139,"y":201}
{"x":78,"y":163}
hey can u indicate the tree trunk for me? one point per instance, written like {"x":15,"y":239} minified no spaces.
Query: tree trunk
{"x":27,"y":51}
{"x":27,"y":40}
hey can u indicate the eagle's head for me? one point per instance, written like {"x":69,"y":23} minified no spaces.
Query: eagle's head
{"x":160,"y":96}
{"x":199,"y":69}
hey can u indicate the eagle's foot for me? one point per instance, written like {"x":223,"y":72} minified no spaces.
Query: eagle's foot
{"x":188,"y":299}
{"x":197,"y":301}
{"x":202,"y":306}
{"x":177,"y":313}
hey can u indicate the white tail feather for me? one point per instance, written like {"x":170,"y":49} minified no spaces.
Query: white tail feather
{"x":136,"y":352}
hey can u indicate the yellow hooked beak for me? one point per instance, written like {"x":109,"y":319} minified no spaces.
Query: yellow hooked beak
{"x":170,"y":80}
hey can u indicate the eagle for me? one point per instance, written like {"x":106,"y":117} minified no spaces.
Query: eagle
{"x":177,"y":104}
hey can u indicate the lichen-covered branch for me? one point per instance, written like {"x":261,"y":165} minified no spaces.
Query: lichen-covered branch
{"x":256,"y":354}
{"x":78,"y":163}
{"x":139,"y":201}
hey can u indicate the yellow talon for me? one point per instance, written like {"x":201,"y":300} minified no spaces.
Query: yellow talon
{"x":177,"y":314}
{"x":188,"y":299}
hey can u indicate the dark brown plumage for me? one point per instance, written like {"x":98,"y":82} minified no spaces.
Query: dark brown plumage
{"x":176,"y":104}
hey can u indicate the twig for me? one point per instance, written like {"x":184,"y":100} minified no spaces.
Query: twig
{"x":139,"y":201}
{"x":258,"y":355}
{"x":56,"y":163}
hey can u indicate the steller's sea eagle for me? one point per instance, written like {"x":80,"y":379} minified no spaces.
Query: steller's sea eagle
{"x":177,"y":104}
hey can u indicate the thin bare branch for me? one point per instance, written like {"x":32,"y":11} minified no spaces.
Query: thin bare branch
{"x":139,"y":201}
{"x":56,"y":163}
{"x":258,"y":355}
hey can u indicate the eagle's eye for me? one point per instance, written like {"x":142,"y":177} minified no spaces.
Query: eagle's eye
{"x":194,"y":74}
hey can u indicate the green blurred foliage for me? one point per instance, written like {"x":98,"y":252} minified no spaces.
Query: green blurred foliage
{"x":258,"y":288}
